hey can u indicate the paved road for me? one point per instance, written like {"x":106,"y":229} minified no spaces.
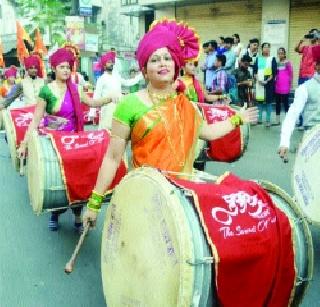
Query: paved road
{"x":32,"y":258}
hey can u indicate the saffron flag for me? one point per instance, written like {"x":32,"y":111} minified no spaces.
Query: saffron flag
{"x":22,"y":36}
{"x":39,"y":46}
{"x":2,"y":63}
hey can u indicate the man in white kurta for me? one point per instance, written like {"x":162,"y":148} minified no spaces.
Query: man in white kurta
{"x":109,"y":84}
{"x":30,"y":86}
{"x":306,"y":100}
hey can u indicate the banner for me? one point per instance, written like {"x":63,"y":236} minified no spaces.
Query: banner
{"x":92,"y":42}
{"x":75,"y":32}
{"x":85,"y":7}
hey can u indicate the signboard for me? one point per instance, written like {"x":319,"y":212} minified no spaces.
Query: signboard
{"x":275,"y":33}
{"x":92,"y":42}
{"x":85,"y":7}
{"x":75,"y":32}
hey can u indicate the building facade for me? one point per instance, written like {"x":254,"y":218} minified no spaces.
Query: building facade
{"x":280,"y":22}
{"x":8,"y":30}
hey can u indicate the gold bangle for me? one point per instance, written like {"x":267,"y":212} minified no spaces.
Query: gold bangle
{"x":236,"y":120}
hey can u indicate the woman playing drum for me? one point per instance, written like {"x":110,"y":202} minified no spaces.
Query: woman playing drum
{"x":61,"y":101}
{"x":163,"y":126}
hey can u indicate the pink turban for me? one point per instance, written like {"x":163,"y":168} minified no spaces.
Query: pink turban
{"x":316,"y":53}
{"x":107,"y":57}
{"x":62,"y":55}
{"x":11,"y":72}
{"x":181,"y":41}
{"x":31,"y":61}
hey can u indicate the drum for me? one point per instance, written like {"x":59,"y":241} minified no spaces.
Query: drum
{"x":231,"y":146}
{"x":154,"y":251}
{"x":11,"y":138}
{"x":46,"y":187}
{"x":306,"y":180}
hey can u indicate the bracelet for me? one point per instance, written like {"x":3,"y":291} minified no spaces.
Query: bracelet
{"x":94,"y":205}
{"x":96,"y":196}
{"x":236,"y":120}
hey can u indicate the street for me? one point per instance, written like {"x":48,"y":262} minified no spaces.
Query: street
{"x":32,"y":258}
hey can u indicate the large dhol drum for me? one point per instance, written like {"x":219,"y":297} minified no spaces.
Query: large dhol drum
{"x":230,"y":147}
{"x":11,"y":137}
{"x":306,"y":179}
{"x":46,"y":187}
{"x":154,"y":251}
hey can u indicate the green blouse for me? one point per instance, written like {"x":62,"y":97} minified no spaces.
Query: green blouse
{"x":130,"y":109}
{"x":51,"y":99}
{"x":48,"y":96}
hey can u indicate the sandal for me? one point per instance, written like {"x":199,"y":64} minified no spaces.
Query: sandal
{"x":78,"y":227}
{"x":53,"y":222}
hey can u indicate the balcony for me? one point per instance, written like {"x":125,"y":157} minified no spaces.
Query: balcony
{"x":133,"y":8}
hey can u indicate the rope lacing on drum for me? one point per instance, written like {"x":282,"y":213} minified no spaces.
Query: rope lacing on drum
{"x":205,"y":260}
{"x":301,"y":280}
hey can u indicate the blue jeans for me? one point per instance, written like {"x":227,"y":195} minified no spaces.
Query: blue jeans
{"x":268,"y":108}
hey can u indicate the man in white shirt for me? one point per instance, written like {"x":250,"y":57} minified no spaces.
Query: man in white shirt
{"x":306,"y":100}
{"x":109,"y":84}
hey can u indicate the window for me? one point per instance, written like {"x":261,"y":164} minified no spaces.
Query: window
{"x":128,"y":2}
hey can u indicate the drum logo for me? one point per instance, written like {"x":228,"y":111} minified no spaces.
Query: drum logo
{"x":76,"y":141}
{"x":24,"y":119}
{"x":216,"y":114}
{"x":242,"y":203}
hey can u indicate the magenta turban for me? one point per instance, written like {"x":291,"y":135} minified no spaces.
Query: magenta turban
{"x":181,"y":41}
{"x":11,"y":72}
{"x":107,"y":57}
{"x":31,"y":61}
{"x":62,"y":55}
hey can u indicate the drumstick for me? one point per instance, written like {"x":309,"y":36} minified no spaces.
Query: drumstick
{"x":21,"y":164}
{"x":70,"y":264}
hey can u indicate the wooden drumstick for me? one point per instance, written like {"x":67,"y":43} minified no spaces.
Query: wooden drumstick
{"x":70,"y":264}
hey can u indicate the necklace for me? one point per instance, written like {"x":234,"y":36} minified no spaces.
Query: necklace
{"x":159,"y":98}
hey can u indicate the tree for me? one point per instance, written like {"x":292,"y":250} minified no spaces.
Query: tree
{"x":47,"y":15}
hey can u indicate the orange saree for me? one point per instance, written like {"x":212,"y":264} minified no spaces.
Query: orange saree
{"x":165,"y":136}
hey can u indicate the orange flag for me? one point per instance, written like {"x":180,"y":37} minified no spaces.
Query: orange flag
{"x":22,"y":35}
{"x":2,"y":63}
{"x":39,"y":46}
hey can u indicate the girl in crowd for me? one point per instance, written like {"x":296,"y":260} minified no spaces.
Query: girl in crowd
{"x":283,"y":83}
{"x":61,"y":100}
{"x":264,"y":71}
{"x":190,"y":85}
{"x":237,"y":48}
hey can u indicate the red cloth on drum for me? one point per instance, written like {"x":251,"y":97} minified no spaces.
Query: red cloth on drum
{"x":251,"y":241}
{"x":80,"y":156}
{"x":21,"y":118}
{"x":229,"y":147}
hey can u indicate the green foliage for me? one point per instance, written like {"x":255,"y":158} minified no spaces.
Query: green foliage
{"x":45,"y":14}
